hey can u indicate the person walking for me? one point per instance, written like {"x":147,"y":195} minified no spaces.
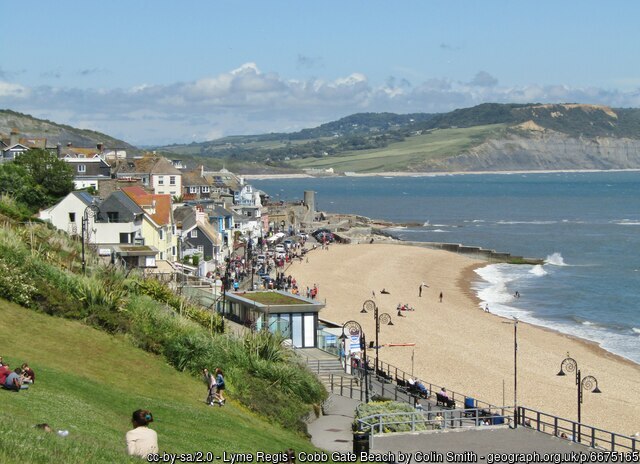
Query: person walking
{"x":219,"y":386}
{"x":441,"y":297}
{"x":420,"y":291}
{"x":210,"y":380}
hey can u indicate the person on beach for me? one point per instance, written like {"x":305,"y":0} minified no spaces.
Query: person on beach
{"x":385,"y":292}
{"x":486,"y":308}
{"x":141,"y":440}
{"x":420,"y":291}
{"x":441,"y":295}
{"x":400,"y":314}
{"x":210,"y":380}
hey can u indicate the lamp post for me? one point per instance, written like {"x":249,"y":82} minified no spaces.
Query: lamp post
{"x":383,"y":318}
{"x":588,"y":382}
{"x":352,"y":328}
{"x":515,"y":371}
{"x":89,"y":212}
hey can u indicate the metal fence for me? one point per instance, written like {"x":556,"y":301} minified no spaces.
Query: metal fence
{"x":577,"y":432}
{"x":415,"y":421}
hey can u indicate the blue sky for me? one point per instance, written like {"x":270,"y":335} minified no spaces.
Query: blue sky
{"x":160,"y":71}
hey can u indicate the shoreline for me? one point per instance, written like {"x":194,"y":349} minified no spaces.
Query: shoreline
{"x":430,"y":174}
{"x":469,"y":276}
{"x":459,"y":345}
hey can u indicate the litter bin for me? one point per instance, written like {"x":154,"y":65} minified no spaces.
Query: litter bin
{"x":360,"y":442}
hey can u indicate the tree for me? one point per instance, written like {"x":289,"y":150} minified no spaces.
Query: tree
{"x":54,"y":175}
{"x":36,"y":178}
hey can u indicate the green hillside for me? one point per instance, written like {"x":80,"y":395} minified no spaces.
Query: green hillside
{"x":31,"y":127}
{"x":409,"y":154}
{"x":89,"y":382}
{"x":370,"y":142}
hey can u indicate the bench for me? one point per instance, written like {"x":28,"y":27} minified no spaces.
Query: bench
{"x":445,"y":401}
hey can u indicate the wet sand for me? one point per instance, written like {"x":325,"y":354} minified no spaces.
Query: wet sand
{"x":460,"y":346}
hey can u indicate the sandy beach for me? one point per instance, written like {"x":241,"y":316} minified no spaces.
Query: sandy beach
{"x":459,"y":345}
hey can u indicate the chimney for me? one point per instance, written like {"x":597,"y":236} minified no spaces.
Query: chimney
{"x":201,"y":170}
{"x":69,"y":144}
{"x":100,"y":147}
{"x":13,"y":138}
{"x":200,"y":215}
{"x":59,"y":150}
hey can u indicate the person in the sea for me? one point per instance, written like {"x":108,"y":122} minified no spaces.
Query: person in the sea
{"x":141,"y":440}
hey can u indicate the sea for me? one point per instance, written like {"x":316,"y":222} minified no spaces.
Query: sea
{"x":585,"y":225}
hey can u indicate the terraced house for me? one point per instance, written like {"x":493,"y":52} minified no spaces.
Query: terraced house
{"x":158,"y":227}
{"x":156,"y":173}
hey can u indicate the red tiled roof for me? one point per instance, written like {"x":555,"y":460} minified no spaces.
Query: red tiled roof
{"x":162,"y":215}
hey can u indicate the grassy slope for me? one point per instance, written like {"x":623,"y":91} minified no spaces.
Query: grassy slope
{"x":413,"y":151}
{"x":89,"y":382}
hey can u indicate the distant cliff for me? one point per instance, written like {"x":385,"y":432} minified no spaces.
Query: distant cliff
{"x":545,"y":150}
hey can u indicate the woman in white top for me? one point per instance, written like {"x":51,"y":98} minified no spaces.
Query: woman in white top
{"x":142,"y":440}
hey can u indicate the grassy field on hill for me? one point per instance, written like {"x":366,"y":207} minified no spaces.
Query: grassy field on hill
{"x":89,"y":382}
{"x":410,"y":153}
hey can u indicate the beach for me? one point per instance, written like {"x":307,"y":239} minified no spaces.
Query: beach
{"x":460,"y":346}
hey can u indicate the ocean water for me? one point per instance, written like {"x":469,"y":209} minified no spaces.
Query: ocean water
{"x":585,"y":225}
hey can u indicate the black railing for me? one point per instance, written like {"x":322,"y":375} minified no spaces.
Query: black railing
{"x":579,"y":433}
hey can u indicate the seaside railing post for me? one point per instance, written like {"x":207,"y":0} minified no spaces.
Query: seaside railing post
{"x":593,"y":437}
{"x":538,"y":421}
{"x":555,"y":425}
{"x":613,"y":442}
{"x":341,"y":385}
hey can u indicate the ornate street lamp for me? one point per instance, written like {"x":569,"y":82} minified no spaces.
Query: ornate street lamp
{"x":90,"y":211}
{"x":384,"y":318}
{"x":589,"y":382}
{"x":352,"y":328}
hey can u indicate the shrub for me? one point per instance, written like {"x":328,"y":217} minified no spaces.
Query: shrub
{"x":15,"y":284}
{"x":396,"y":423}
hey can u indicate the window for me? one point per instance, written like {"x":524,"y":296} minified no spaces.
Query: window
{"x":193,"y":189}
{"x":82,"y":168}
{"x":205,"y":189}
{"x":112,"y":216}
{"x":173,"y":251}
{"x":160,"y":180}
{"x":161,"y":234}
{"x":249,"y":213}
{"x":124,"y":238}
{"x":200,"y":249}
{"x":194,"y":233}
{"x":72,"y":217}
{"x":172,"y":180}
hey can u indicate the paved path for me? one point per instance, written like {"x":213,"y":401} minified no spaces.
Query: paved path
{"x":332,"y":431}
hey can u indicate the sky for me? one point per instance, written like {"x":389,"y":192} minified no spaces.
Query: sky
{"x":158,"y":72}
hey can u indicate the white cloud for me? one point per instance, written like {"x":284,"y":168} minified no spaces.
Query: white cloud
{"x":247,"y":100}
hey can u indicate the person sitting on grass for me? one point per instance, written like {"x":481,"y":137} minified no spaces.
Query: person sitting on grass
{"x":4,"y":372}
{"x":28,"y":376}
{"x":219,"y":387}
{"x":14,"y":382}
{"x":141,"y":441}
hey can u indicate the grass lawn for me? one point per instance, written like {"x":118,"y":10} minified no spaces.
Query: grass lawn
{"x":89,"y":382}
{"x":402,"y":156}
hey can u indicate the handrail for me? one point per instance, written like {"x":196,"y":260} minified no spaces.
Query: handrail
{"x":395,"y":373}
{"x":412,"y":421}
{"x":575,"y":431}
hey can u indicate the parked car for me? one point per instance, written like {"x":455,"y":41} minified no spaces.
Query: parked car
{"x":261,"y":259}
{"x":280,"y":249}
{"x":288,"y":243}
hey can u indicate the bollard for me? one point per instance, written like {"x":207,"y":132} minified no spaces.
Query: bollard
{"x":360,"y":442}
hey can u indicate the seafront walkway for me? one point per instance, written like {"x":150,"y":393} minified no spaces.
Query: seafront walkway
{"x":458,"y":431}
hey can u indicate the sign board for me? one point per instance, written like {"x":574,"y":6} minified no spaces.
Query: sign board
{"x":354,"y":343}
{"x":104,"y":251}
